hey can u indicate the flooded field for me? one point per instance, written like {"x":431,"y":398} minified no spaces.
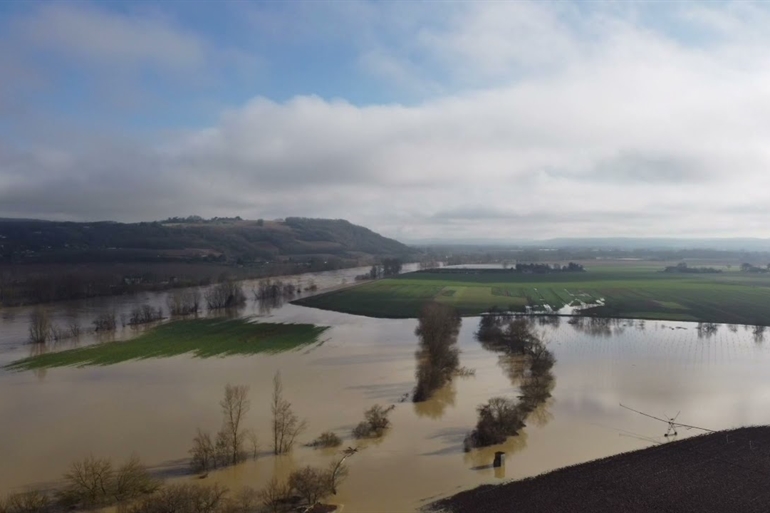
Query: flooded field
{"x":152,"y":408}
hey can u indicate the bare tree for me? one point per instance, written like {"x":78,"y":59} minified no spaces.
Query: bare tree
{"x":88,"y":482}
{"x":286,"y":424}
{"x":184,"y":302}
{"x":94,"y":482}
{"x":132,"y":479}
{"x":253,"y":440}
{"x":187,"y":498}
{"x":39,"y":326}
{"x":33,"y":501}
{"x":235,"y":406}
{"x":274,"y":496}
{"x":227,"y":294}
{"x":106,"y":321}
{"x":203,"y":455}
{"x":75,"y":328}
{"x":311,"y":484}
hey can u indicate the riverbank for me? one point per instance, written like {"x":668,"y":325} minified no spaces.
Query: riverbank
{"x":202,"y":338}
{"x":608,"y":291}
{"x":714,"y":473}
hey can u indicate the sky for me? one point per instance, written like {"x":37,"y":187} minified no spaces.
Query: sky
{"x":420,"y":120}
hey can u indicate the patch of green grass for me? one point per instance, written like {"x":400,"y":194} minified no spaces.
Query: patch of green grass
{"x":202,"y":338}
{"x":641,"y":291}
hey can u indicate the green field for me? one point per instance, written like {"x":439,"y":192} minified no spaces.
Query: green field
{"x":202,"y":338}
{"x":639,"y":291}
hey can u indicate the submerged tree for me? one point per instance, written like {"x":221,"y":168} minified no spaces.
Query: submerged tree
{"x":227,"y":294}
{"x":528,"y":363}
{"x":39,"y":326}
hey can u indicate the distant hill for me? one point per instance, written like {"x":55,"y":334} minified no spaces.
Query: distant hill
{"x":192,"y":239}
{"x":619,"y":243}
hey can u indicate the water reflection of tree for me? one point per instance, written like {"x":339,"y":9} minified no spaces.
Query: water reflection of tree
{"x":707,"y":329}
{"x":438,"y":357}
{"x":441,"y":399}
{"x":39,"y":350}
{"x":480,"y":458}
{"x":268,"y":304}
{"x":527,"y":362}
{"x":758,"y":332}
{"x":600,"y":326}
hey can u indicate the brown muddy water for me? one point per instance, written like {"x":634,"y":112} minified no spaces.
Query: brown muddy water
{"x":152,"y":408}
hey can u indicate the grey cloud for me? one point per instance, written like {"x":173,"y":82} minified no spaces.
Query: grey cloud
{"x":632,"y":167}
{"x":87,"y":31}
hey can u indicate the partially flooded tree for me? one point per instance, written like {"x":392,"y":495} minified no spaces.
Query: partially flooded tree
{"x":227,"y":294}
{"x":528,"y":363}
{"x":437,"y":357}
{"x":286,"y":424}
{"x":235,"y":405}
{"x":498,"y":419}
{"x":184,"y":302}
{"x":106,"y":322}
{"x":39,"y":326}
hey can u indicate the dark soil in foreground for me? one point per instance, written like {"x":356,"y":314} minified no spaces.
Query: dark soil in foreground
{"x":728,"y":471}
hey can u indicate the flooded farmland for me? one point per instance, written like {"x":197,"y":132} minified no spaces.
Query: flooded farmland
{"x":152,"y":408}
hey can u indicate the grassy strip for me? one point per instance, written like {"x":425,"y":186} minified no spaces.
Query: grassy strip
{"x":202,"y":338}
{"x":642,"y":292}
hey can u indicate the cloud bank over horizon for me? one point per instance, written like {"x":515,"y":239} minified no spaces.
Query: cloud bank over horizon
{"x":480,"y":120}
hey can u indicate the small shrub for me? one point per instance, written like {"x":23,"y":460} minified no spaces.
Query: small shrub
{"x":327,"y":439}
{"x":133,"y":480}
{"x":375,"y":422}
{"x":144,"y":314}
{"x":88,"y":483}
{"x":182,"y":498}
{"x":33,"y":501}
{"x":93,"y":482}
{"x":106,"y":322}
{"x":275,"y":496}
{"x":311,"y":484}
{"x":75,"y":328}
{"x":362,"y":430}
{"x":247,"y":500}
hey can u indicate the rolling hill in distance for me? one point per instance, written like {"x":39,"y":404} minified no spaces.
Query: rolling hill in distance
{"x":191,"y":239}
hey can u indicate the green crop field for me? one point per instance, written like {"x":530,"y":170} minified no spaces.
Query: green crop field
{"x":202,"y":338}
{"x":642,"y":292}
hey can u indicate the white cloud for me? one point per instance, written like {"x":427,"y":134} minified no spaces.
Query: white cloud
{"x":624,"y":131}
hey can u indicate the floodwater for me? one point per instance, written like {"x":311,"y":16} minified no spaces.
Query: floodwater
{"x":153,"y":408}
